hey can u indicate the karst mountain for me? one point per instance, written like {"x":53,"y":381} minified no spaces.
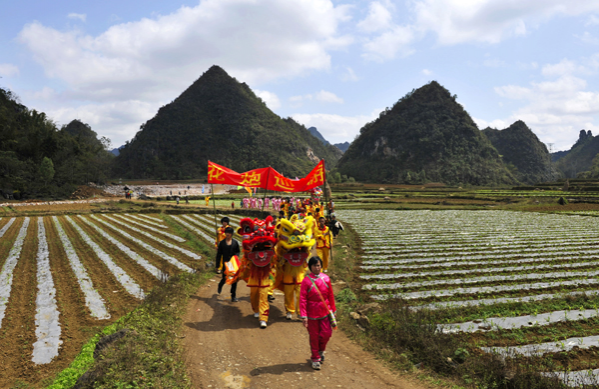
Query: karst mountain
{"x":425,"y":136}
{"x":220,"y":119}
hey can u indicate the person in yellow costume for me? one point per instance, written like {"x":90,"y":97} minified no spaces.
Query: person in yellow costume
{"x":220,"y":235}
{"x":323,"y":243}
{"x":295,"y":240}
{"x":207,"y":198}
{"x":258,"y":263}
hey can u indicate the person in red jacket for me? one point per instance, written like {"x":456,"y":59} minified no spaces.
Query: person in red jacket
{"x":314,"y":312}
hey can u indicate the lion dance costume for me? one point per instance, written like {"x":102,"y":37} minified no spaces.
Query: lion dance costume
{"x":295,"y":240}
{"x":258,"y":262}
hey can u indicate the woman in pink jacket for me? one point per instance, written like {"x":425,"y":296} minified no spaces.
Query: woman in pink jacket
{"x":313,"y":312}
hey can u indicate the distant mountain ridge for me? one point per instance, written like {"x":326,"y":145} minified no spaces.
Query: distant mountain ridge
{"x":220,"y":119}
{"x":314,"y":131}
{"x":579,"y":158}
{"x":521,"y":150}
{"x":425,"y":136}
{"x":342,"y":146}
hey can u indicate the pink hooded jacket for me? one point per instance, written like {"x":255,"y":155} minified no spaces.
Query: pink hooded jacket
{"x":310,"y":304}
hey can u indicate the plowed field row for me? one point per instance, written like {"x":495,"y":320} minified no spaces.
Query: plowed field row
{"x":63,"y":277}
{"x":458,"y":263}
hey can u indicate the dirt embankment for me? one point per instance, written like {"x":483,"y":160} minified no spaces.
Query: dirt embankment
{"x":226,"y":349}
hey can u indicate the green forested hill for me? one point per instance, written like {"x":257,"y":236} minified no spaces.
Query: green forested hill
{"x":426,"y":136}
{"x":38,"y":159}
{"x":219,"y":119}
{"x":579,"y":158}
{"x":521,"y":150}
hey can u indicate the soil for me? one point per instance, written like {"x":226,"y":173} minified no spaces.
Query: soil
{"x":225,"y":348}
{"x":85,"y":192}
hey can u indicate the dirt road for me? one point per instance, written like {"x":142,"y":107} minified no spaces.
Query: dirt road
{"x":225,"y":348}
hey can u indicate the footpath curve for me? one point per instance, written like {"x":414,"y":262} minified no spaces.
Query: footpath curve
{"x":225,"y":348}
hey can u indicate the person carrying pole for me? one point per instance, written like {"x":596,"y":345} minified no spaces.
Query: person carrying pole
{"x":323,"y":243}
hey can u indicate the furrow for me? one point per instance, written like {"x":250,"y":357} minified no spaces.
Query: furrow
{"x":121,"y":276}
{"x":6,"y":276}
{"x":93,"y":300}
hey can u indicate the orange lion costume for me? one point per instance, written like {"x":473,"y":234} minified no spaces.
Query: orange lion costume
{"x":258,"y":263}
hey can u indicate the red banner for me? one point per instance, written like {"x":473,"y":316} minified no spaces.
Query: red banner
{"x":267,"y":178}
{"x":280,"y":183}
{"x":218,"y":174}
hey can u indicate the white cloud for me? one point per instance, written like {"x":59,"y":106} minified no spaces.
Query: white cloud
{"x":593,"y":21}
{"x":588,"y":38}
{"x":558,"y":108}
{"x":8,"y":70}
{"x":427,"y":72}
{"x":322,"y":96}
{"x":490,"y":21}
{"x":395,"y":41}
{"x":115,"y":119}
{"x":497,"y":123}
{"x":73,"y":15}
{"x":155,"y":59}
{"x":328,"y":97}
{"x":271,"y":99}
{"x":349,"y":75}
{"x":379,"y":17}
{"x":336,"y":128}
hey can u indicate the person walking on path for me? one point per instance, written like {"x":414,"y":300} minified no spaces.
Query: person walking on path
{"x":316,"y":301}
{"x":227,"y":248}
{"x":323,"y":243}
{"x":335,"y":226}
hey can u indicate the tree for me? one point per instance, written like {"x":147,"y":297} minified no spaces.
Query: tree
{"x":47,"y":170}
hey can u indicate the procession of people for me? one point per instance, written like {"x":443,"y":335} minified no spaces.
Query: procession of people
{"x":291,"y":254}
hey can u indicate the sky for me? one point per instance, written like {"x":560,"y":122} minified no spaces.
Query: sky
{"x":334,"y":65}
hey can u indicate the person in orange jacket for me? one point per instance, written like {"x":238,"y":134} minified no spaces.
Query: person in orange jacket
{"x":323,"y":243}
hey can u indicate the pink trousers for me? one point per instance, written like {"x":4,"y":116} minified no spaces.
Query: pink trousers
{"x":320,"y":332}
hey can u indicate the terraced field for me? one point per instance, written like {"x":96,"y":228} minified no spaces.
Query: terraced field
{"x":63,"y":277}
{"x":518,"y":284}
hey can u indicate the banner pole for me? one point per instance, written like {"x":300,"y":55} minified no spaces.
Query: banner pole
{"x":266,"y":189}
{"x":214,"y":204}
{"x":326,"y":199}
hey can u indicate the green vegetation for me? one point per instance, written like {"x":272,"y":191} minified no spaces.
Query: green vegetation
{"x":69,"y":376}
{"x":222,"y":120}
{"x":579,"y":158}
{"x":150,"y":355}
{"x":522,"y":152}
{"x":425,"y":137}
{"x":39,"y":160}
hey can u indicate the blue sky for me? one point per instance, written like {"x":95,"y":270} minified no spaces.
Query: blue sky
{"x":330,"y":64}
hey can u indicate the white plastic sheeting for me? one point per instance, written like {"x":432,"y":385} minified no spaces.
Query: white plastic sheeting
{"x":161,"y":254}
{"x":93,"y":300}
{"x":153,"y":270}
{"x":541,"y":319}
{"x":6,"y":227}
{"x":201,"y":233}
{"x":47,"y":325}
{"x":147,"y":221}
{"x":9,"y":266}
{"x":128,"y":219}
{"x":121,"y":276}
{"x":161,"y":241}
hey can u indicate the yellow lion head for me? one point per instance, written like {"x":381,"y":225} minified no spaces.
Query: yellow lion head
{"x":296,"y":238}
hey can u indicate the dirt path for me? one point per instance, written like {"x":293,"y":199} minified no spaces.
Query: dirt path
{"x":226,"y":349}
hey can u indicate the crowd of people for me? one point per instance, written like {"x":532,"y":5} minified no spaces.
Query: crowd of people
{"x":308,"y":291}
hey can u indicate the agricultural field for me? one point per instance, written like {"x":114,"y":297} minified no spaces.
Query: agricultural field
{"x":64,"y":277}
{"x":522,"y":285}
